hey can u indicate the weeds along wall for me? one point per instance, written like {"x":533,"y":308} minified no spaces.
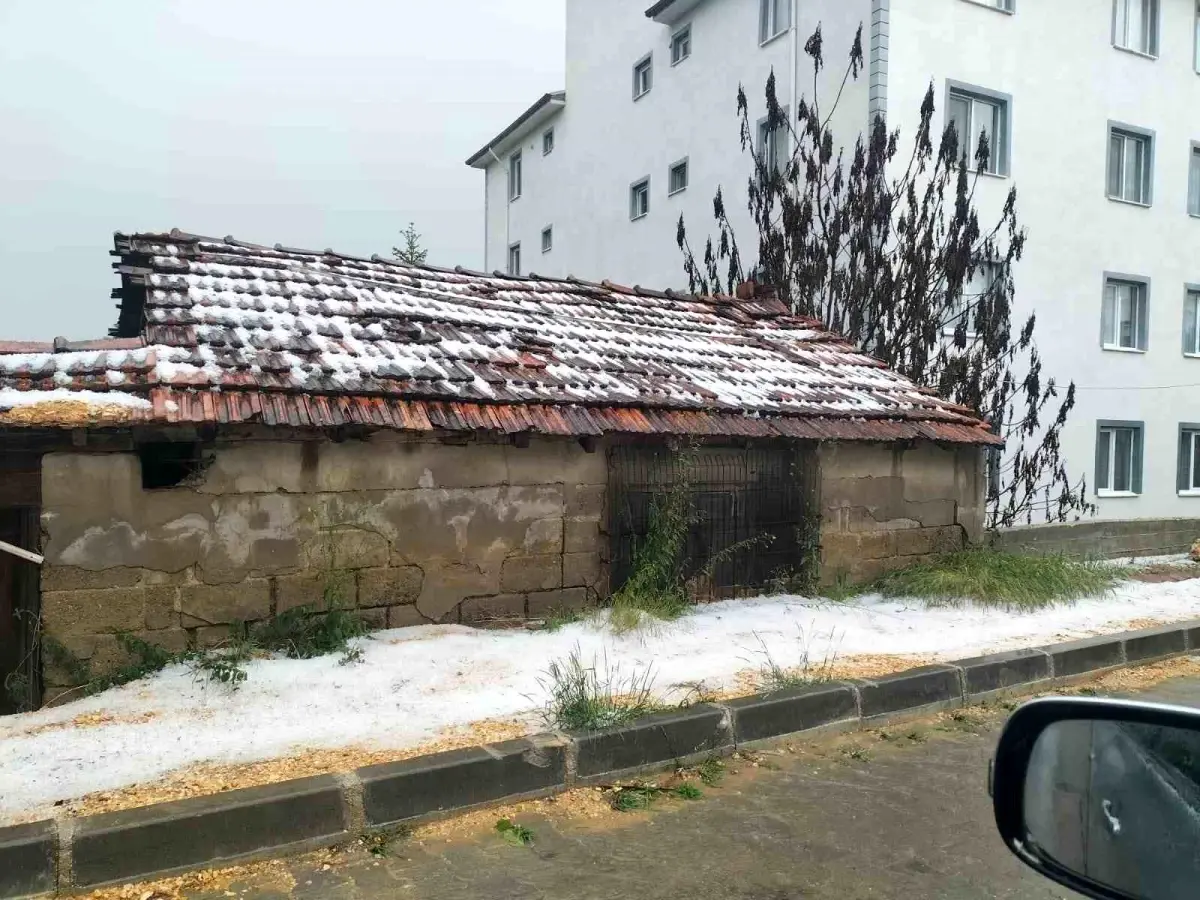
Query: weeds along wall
{"x":405,"y":530}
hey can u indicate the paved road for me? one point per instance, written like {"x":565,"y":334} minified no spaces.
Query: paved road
{"x":912,"y":819}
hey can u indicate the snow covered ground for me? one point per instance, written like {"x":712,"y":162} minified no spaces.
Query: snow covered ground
{"x":415,"y":683}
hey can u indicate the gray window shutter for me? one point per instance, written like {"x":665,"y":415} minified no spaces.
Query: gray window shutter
{"x":1101,"y":461}
{"x":1107,"y":314}
{"x":1143,"y":315}
{"x":1189,"y":322}
{"x":1183,"y":470}
{"x":1136,"y":475}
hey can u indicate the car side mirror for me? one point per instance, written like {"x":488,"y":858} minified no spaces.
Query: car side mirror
{"x":1103,"y":796}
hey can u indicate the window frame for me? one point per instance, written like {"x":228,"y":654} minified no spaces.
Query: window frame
{"x":1193,"y":202}
{"x":1008,"y":7}
{"x":1187,"y":466}
{"x":1155,"y":23}
{"x":949,"y":327}
{"x":645,"y":64}
{"x":761,"y":136}
{"x":687,"y":176}
{"x":768,"y":20}
{"x":634,"y":186}
{"x":1001,"y":149}
{"x":548,"y":141}
{"x":1191,"y":295}
{"x":1136,"y":458}
{"x":516,"y":176}
{"x":547,"y":238}
{"x":1130,"y":132}
{"x":1141,"y":342}
{"x":679,"y":35}
{"x":514,"y":251}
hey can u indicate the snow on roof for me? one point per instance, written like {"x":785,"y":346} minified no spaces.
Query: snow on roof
{"x":239,"y":332}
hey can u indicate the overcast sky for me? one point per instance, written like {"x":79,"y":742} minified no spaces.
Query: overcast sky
{"x":314,"y":123}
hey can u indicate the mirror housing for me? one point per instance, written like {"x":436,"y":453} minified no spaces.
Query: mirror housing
{"x":1102,"y":796}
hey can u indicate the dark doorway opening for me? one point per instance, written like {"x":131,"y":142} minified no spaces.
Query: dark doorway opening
{"x":20,"y":583}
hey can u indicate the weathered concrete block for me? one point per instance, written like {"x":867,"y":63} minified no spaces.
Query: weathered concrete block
{"x":124,"y":846}
{"x":584,"y":500}
{"x":305,"y":589}
{"x":531,"y":573}
{"x":72,"y":578}
{"x":582,"y":535}
{"x":389,"y":587}
{"x":213,"y":635}
{"x":374,"y":619}
{"x":544,"y":536}
{"x":786,"y":712}
{"x":1090,"y":654}
{"x":206,"y":604}
{"x":1002,"y":670}
{"x":260,"y":467}
{"x":162,"y":607}
{"x":397,"y":466}
{"x":491,"y":609}
{"x":910,"y":690}
{"x":659,"y":738}
{"x":542,"y":462}
{"x":856,"y":459}
{"x":581,"y":569}
{"x":346,"y":548}
{"x":28,"y":855}
{"x":949,"y":539}
{"x":461,"y":778}
{"x":915,"y":542}
{"x":1154,"y":642}
{"x":446,"y":586}
{"x":405,"y":616}
{"x":92,"y":612}
{"x":542,"y":603}
{"x":876,"y":545}
{"x":932,"y":513}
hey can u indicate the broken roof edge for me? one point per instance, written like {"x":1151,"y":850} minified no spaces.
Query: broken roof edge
{"x":553,"y":101}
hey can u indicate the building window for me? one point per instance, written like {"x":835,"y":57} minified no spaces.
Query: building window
{"x":1135,"y":26}
{"x":1191,"y":321}
{"x":681,"y":44}
{"x":1188,"y":481}
{"x":774,"y":18}
{"x":547,"y":142}
{"x":975,"y":112}
{"x":514,"y":176}
{"x":1119,"y":458}
{"x":964,"y":306}
{"x":1002,"y":5}
{"x":639,"y":198}
{"x":643,"y":77}
{"x":168,"y":464}
{"x":1194,"y":181}
{"x":547,"y":238}
{"x":514,"y":259}
{"x":1130,"y":164}
{"x":1123,"y":319}
{"x":773,"y":144}
{"x":678,"y":180}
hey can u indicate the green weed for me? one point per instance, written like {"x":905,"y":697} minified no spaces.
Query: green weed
{"x":811,"y":669}
{"x":514,"y":833}
{"x":857,"y":753}
{"x":711,"y":771}
{"x":687,"y":791}
{"x":379,"y":842}
{"x":557,"y":619}
{"x":584,"y":698}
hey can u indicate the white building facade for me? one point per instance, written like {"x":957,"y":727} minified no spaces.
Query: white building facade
{"x":1095,"y":107}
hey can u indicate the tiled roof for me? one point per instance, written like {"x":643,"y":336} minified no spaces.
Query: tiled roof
{"x":234,"y":332}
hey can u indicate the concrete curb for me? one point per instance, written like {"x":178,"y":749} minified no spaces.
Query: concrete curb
{"x":293,"y":816}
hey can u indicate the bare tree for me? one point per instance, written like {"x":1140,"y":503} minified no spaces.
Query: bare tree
{"x":888,"y":250}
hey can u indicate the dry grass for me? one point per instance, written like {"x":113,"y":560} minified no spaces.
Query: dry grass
{"x":66,"y":413}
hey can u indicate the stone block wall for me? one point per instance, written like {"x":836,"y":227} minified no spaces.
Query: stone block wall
{"x":1102,"y":540}
{"x":889,"y":505}
{"x":407,"y":531}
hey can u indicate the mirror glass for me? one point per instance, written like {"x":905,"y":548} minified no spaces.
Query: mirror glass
{"x":1119,"y":803}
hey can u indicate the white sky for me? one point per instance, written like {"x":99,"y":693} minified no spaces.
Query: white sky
{"x":314,"y":123}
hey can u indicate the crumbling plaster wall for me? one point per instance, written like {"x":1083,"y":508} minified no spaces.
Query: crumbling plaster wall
{"x":407,"y":530}
{"x":889,"y":505}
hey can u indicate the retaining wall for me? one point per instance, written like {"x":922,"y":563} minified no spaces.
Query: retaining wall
{"x":1107,"y":540}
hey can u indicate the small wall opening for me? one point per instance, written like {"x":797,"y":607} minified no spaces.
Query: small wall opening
{"x":168,"y":464}
{"x":752,"y":520}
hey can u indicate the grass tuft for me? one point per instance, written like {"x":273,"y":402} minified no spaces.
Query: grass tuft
{"x":711,"y":771}
{"x":379,"y":842}
{"x":688,"y":791}
{"x":514,"y":833}
{"x":584,"y":698}
{"x":811,"y":669}
{"x":1004,"y":580}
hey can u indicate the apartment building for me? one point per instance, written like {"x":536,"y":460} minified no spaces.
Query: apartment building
{"x":1094,"y":106}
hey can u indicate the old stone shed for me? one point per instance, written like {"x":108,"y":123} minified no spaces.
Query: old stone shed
{"x":269,"y":427}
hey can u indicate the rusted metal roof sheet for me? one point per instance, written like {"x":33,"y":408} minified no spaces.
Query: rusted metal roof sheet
{"x":235,"y":333}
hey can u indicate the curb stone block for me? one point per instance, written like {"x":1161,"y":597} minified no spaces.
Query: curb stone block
{"x":123,"y":846}
{"x":910,"y":690}
{"x":657,"y":738}
{"x":1001,"y":670}
{"x":1155,"y":642}
{"x":1078,"y":657}
{"x":393,"y":792}
{"x":27,"y":859}
{"x":786,"y":712}
{"x":1192,"y":629}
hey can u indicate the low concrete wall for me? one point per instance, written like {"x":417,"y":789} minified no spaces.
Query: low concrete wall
{"x":407,"y":530}
{"x":886,"y":506}
{"x":1105,"y":540}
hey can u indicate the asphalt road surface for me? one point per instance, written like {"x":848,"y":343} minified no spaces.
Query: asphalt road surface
{"x":855,"y":816}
